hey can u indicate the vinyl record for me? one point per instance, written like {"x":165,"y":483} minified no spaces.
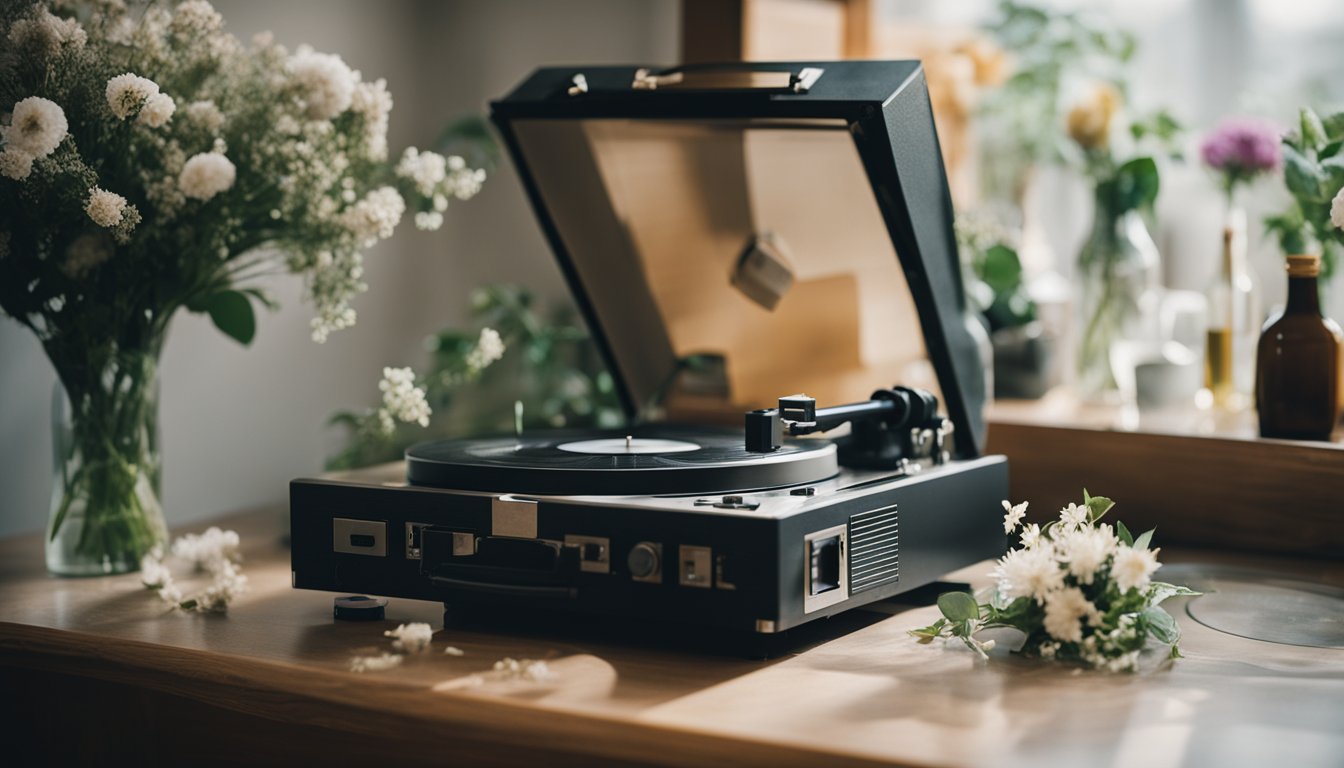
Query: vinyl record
{"x":651,"y":460}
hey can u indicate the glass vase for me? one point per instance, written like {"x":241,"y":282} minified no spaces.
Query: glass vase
{"x":1120,"y":273}
{"x":105,"y":510}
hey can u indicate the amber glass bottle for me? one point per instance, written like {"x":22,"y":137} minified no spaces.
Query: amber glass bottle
{"x":1298,"y":362}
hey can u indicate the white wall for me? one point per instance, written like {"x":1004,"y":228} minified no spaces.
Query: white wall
{"x":239,"y":423}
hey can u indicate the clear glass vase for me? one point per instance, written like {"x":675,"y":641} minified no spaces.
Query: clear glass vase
{"x":1120,"y":275}
{"x":105,"y":510}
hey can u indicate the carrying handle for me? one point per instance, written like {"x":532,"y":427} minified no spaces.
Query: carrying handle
{"x":730,"y":77}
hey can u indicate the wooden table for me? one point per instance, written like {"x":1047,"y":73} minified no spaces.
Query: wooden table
{"x":95,"y":670}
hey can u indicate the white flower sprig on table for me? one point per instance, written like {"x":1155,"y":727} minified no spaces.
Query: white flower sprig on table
{"x":215,"y":553}
{"x":1078,"y":589}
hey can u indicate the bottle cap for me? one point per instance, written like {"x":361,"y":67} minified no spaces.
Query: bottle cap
{"x":1307,"y":265}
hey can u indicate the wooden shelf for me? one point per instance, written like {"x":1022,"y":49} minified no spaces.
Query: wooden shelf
{"x":1202,"y":478}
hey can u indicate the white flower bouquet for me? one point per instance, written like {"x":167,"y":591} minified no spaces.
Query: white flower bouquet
{"x":1079,"y":589}
{"x":151,"y":162}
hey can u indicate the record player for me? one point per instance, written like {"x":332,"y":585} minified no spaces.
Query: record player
{"x":787,"y":228}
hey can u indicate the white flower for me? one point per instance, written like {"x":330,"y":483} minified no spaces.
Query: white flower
{"x":1031,"y":535}
{"x":127,"y":94}
{"x":412,"y":638}
{"x":375,"y":217}
{"x":1337,"y":209}
{"x":1085,"y":550}
{"x":215,"y":552}
{"x":531,"y":670}
{"x":402,"y":399}
{"x":84,"y":253}
{"x":158,"y":110}
{"x":489,"y":348}
{"x":1133,"y":567}
{"x":453,"y":650}
{"x":379,"y":663}
{"x":206,"y":551}
{"x":1028,"y":573}
{"x":105,"y":208}
{"x":326,"y":85}
{"x":1064,"y":611}
{"x":205,"y":175}
{"x":195,"y":17}
{"x":1073,"y":516}
{"x":46,"y":33}
{"x":426,"y":169}
{"x":372,"y":102}
{"x":1012,"y":515}
{"x":428,"y":220}
{"x":15,"y":165}
{"x":153,"y":573}
{"x":205,"y":114}
{"x":37,"y":127}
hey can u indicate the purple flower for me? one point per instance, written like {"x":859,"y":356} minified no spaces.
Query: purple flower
{"x":1241,"y":148}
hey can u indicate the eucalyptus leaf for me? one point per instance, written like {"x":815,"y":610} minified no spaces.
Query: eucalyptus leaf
{"x":1334,"y":126}
{"x":1144,"y":538}
{"x":958,"y":606}
{"x":1124,"y":534}
{"x":1313,"y":131}
{"x":1161,"y":625}
{"x":1159,"y":591}
{"x":1303,"y":177}
{"x":1097,"y":506}
{"x":232,"y":313}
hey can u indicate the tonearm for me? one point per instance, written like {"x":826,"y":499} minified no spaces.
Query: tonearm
{"x":897,"y":427}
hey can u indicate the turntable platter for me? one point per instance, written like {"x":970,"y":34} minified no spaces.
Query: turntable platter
{"x":654,"y":460}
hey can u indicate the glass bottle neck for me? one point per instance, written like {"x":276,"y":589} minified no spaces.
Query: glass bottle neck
{"x":1302,"y":297}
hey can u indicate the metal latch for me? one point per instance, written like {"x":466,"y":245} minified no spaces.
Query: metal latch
{"x":727,"y":79}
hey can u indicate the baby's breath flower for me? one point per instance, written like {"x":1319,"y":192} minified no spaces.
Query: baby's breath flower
{"x":214,"y":552}
{"x":402,"y":399}
{"x":489,"y":348}
{"x":379,"y":663}
{"x":373,"y":103}
{"x":44,"y":33}
{"x":127,"y":94}
{"x":375,"y":217}
{"x":425,"y":169}
{"x":15,"y":165}
{"x":205,"y":114}
{"x":36,"y":128}
{"x":195,"y":17}
{"x":412,"y":638}
{"x":205,"y":175}
{"x":105,"y":208}
{"x":531,"y":670}
{"x":325,"y":84}
{"x":428,"y":220}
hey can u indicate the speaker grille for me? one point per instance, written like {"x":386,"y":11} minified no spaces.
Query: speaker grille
{"x":874,"y":548}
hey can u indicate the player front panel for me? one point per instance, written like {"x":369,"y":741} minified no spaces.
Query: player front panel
{"x":710,"y":569}
{"x":890,"y":538}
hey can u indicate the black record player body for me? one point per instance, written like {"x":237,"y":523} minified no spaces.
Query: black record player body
{"x":797,"y":230}
{"x":753,"y":558}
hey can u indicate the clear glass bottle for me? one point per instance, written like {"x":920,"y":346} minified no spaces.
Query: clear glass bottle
{"x":1233,"y":322}
{"x":1298,"y":362}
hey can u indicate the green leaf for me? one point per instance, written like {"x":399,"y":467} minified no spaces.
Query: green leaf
{"x":1136,"y":184}
{"x":1302,"y":176}
{"x":1330,"y":150}
{"x":1144,"y":538}
{"x":1175,"y":652}
{"x":1159,"y":591}
{"x":232,"y":314}
{"x":1313,"y":131}
{"x":1001,"y":269}
{"x":1334,"y":126}
{"x":958,"y":606}
{"x":1097,"y":506}
{"x":263,"y":298}
{"x":1332,"y":169}
{"x":1124,"y":534}
{"x":1161,"y":625}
